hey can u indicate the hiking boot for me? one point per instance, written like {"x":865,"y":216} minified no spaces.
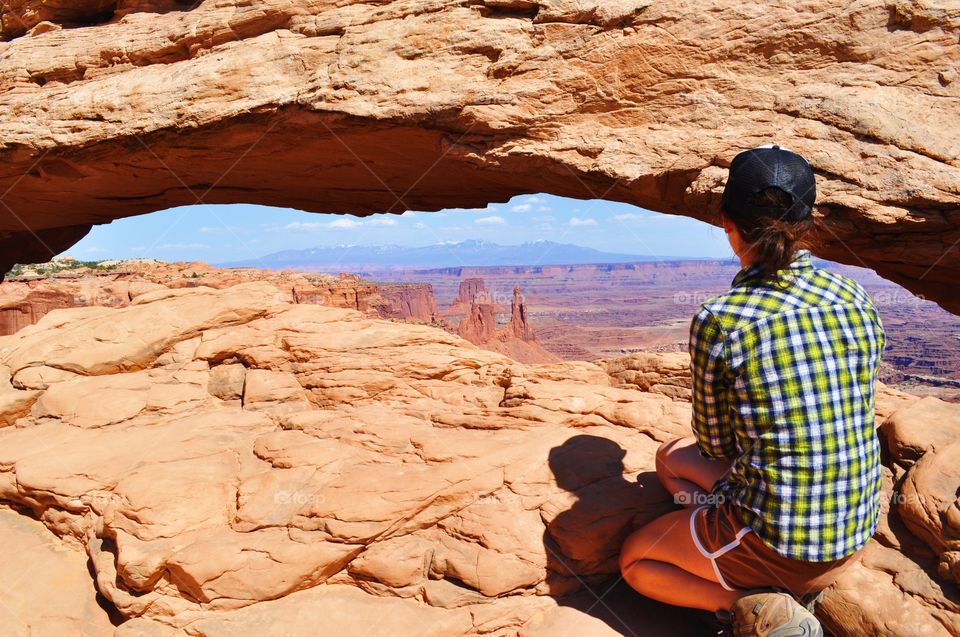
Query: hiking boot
{"x":772,"y":614}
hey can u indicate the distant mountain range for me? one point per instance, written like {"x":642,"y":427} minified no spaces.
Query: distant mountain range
{"x":440,"y":255}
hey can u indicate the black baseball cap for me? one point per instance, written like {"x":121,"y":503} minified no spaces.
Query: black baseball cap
{"x":757,"y":169}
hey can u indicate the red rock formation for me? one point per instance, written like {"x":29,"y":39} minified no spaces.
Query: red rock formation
{"x":515,"y":339}
{"x":348,"y":293}
{"x":22,"y":304}
{"x":469,"y":290}
{"x":472,"y":290}
{"x":410,"y":301}
{"x":480,"y":326}
{"x":24,"y":301}
{"x":519,"y":327}
{"x":428,"y":105}
{"x":19,"y":16}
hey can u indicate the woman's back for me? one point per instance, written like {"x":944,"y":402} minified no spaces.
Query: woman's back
{"x":784,"y":385}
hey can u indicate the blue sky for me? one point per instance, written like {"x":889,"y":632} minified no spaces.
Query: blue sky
{"x":221,"y":233}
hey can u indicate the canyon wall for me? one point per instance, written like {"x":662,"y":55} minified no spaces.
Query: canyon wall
{"x":111,"y":109}
{"x":410,"y":301}
{"x":516,"y":338}
{"x":24,"y":300}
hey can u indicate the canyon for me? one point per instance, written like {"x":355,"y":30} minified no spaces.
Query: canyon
{"x":516,"y":338}
{"x":24,"y":298}
{"x":571,"y":312}
{"x":34,"y":291}
{"x":594,"y":311}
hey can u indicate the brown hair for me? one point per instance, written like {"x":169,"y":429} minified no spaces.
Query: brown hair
{"x":771,"y":238}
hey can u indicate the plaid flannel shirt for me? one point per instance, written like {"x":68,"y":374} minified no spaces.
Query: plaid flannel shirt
{"x":783,"y":385}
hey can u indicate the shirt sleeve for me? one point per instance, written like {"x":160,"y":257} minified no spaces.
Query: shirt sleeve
{"x":711,"y":404}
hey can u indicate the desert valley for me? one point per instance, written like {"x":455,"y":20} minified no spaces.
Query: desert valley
{"x":561,"y":312}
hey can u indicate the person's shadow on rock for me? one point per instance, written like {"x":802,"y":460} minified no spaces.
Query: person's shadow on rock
{"x":583,"y":541}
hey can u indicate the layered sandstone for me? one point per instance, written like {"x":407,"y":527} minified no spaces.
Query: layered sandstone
{"x":519,"y":327}
{"x":515,"y":339}
{"x":22,"y":305}
{"x":116,"y":108}
{"x":480,"y":325}
{"x":472,"y":290}
{"x":234,"y":463}
{"x":410,"y":301}
{"x":25,"y":299}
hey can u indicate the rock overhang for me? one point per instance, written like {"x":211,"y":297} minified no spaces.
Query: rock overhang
{"x":459,"y":103}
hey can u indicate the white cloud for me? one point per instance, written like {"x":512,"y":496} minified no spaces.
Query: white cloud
{"x":343,"y":222}
{"x":299,"y":225}
{"x":576,"y":221}
{"x":545,"y":218}
{"x":522,"y":207}
{"x":490,"y":220}
{"x":535,"y":199}
{"x":544,"y":209}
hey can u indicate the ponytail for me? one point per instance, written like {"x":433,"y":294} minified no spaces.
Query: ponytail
{"x":772,"y":239}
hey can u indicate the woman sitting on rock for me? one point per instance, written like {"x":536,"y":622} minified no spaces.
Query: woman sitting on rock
{"x":781,"y":478}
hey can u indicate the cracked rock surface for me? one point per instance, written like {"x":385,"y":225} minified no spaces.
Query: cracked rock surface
{"x":232,"y":463}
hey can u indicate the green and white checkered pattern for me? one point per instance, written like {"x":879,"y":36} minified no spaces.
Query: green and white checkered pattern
{"x":783,"y":385}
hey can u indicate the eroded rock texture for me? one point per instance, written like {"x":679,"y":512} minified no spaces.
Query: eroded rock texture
{"x":515,"y":338}
{"x":111,"y":109}
{"x":233,"y":463}
{"x":25,"y":299}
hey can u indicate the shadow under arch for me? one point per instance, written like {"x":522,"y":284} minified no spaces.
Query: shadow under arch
{"x":583,"y":541}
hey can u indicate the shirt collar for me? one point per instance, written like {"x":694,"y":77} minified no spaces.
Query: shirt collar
{"x":801,"y":261}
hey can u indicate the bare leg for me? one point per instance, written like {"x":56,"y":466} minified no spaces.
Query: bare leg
{"x":685,"y":473}
{"x":660,"y":561}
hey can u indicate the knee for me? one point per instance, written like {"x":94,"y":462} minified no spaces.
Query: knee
{"x":634,"y":549}
{"x":627,"y":554}
{"x":665,"y":457}
{"x":626,"y":561}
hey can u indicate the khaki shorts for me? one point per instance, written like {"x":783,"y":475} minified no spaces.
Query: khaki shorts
{"x":742,"y":561}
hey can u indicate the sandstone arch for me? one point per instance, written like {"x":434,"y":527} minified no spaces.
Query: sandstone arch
{"x":113,"y":109}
